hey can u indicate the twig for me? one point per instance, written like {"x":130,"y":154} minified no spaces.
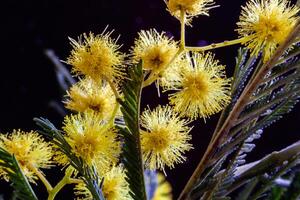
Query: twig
{"x":234,"y":114}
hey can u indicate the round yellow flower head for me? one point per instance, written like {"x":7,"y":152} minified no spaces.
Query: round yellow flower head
{"x":164,"y":139}
{"x":96,"y":57}
{"x":155,"y":49}
{"x":91,"y":95}
{"x":30,"y":149}
{"x":265,"y":24}
{"x":169,"y":78}
{"x":163,"y":190}
{"x":191,"y":8}
{"x":115,"y":186}
{"x":203,"y":88}
{"x":91,"y":140}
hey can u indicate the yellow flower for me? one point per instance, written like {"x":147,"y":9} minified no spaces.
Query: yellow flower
{"x":91,"y":140}
{"x":192,"y":8}
{"x":30,"y":150}
{"x":115,"y":186}
{"x":96,"y":56}
{"x":165,"y":138}
{"x":203,"y":88}
{"x":155,"y":49}
{"x":163,"y":190}
{"x":90,"y":95}
{"x":266,"y":24}
{"x":170,"y":77}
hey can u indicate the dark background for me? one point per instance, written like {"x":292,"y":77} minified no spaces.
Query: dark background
{"x":28,"y":83}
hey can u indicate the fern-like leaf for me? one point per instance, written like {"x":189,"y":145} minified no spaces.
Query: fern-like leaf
{"x":89,"y":174}
{"x":275,"y":96}
{"x":20,"y":183}
{"x":132,"y":156}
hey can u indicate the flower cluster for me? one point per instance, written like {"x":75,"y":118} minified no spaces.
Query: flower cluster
{"x":195,"y":81}
{"x":30,"y":149}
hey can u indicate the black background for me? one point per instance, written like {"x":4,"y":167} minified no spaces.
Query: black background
{"x":28,"y":84}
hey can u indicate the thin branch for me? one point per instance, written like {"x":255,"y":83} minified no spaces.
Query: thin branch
{"x":217,"y":45}
{"x":234,"y":114}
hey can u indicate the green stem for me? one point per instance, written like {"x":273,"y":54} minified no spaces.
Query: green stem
{"x":218,"y":45}
{"x":64,"y":181}
{"x":41,"y":177}
{"x":112,"y":86}
{"x":113,"y":116}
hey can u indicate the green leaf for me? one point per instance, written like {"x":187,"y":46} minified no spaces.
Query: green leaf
{"x":293,"y":192}
{"x":88,"y":173}
{"x":20,"y":183}
{"x":276,"y":193}
{"x":242,"y":70}
{"x":132,"y":155}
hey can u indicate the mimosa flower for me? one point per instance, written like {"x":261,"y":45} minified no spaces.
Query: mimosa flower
{"x":191,"y":8}
{"x":266,"y":24}
{"x":90,"y":95}
{"x":115,"y":186}
{"x":203,"y":88}
{"x":155,"y":49}
{"x":89,"y":139}
{"x":165,"y":138}
{"x":97,"y":57}
{"x":30,"y":150}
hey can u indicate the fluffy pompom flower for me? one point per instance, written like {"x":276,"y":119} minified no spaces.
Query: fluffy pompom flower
{"x":30,"y":149}
{"x":90,"y":95}
{"x":155,"y":49}
{"x":165,"y":138}
{"x":163,"y":190}
{"x":266,"y":24}
{"x":115,"y":186}
{"x":91,"y":140}
{"x":203,"y":88}
{"x":96,"y":56}
{"x":192,"y":8}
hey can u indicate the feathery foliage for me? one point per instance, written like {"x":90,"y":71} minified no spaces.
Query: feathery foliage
{"x":20,"y":183}
{"x":131,"y":155}
{"x":276,"y":95}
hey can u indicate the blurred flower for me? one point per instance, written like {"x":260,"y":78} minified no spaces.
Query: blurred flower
{"x":90,"y":95}
{"x":266,"y":24}
{"x":91,"y":140}
{"x":165,"y":139}
{"x":163,"y":190}
{"x":203,"y":88}
{"x":96,"y":56}
{"x":30,"y":150}
{"x":155,"y":49}
{"x":115,"y":186}
{"x":191,"y":8}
